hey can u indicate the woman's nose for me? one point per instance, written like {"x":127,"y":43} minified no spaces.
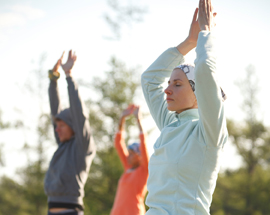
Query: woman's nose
{"x":168,"y":91}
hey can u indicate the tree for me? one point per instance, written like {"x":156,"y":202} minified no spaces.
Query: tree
{"x":33,"y":174}
{"x":114,"y":92}
{"x":246,"y":190}
{"x":12,"y":198}
{"x":3,"y":125}
{"x":123,"y":15}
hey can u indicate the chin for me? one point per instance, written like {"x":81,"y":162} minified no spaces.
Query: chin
{"x":171,"y":108}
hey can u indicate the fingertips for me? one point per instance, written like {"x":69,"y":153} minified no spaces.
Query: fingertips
{"x":70,"y":53}
{"x":62,"y":55}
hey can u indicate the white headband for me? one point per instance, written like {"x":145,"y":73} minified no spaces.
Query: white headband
{"x":190,"y":73}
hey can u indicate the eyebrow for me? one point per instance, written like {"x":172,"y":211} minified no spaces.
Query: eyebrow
{"x":178,"y":79}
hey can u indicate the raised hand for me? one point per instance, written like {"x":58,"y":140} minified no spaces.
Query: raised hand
{"x":125,"y":113}
{"x":206,"y":16}
{"x":191,"y":41}
{"x":194,"y":29}
{"x":137,"y":112}
{"x":54,"y":74}
{"x":58,"y":63}
{"x":67,"y":67}
{"x":128,"y":111}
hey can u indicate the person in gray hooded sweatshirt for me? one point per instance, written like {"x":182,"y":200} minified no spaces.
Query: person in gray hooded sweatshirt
{"x":70,"y":164}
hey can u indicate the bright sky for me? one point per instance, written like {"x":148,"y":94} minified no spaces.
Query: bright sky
{"x":29,"y":28}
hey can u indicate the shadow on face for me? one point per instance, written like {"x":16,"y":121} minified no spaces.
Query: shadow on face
{"x":63,"y":130}
{"x":134,"y":159}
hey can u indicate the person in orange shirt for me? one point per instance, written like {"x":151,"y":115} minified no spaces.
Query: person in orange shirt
{"x":131,"y":190}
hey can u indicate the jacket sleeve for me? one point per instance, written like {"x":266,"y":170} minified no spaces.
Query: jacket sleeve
{"x":144,"y":153}
{"x":152,"y":81}
{"x":79,"y":114}
{"x":208,"y":92}
{"x":54,"y":105}
{"x":121,"y":149}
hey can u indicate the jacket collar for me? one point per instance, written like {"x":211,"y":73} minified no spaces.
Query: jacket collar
{"x":187,"y":115}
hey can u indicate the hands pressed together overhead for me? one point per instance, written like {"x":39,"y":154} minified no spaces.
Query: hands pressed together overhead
{"x":132,"y":109}
{"x":203,"y":19}
{"x":206,"y":17}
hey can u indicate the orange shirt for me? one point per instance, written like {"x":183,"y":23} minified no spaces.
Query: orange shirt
{"x":131,"y":190}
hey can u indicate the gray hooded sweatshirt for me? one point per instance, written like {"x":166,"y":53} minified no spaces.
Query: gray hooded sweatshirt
{"x":70,"y":164}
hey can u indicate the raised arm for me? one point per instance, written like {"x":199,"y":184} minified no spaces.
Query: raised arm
{"x":154,"y":77}
{"x":78,"y":110}
{"x":119,"y":141}
{"x":54,"y":94}
{"x":207,"y":89}
{"x":143,"y":146}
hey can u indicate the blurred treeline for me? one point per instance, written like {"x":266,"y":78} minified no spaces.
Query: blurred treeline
{"x":112,"y":94}
{"x":244,"y":191}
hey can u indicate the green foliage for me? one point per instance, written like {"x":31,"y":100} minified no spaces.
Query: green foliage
{"x":3,"y":125}
{"x":246,"y":191}
{"x":28,"y":197}
{"x":32,"y":181}
{"x":32,"y":176}
{"x":114,"y":92}
{"x":238,"y":193}
{"x":12,"y":198}
{"x":101,"y":186}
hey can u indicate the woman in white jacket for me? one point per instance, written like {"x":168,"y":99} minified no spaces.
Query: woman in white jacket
{"x":190,"y":115}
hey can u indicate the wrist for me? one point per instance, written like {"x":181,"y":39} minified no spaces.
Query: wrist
{"x":138,"y":119}
{"x":122,"y":118}
{"x":53,"y":75}
{"x":190,"y":42}
{"x":205,"y":28}
{"x":68,"y":73}
{"x":186,"y":46}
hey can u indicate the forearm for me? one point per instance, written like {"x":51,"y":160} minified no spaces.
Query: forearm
{"x":79,"y":115}
{"x":121,"y":148}
{"x":152,"y":81}
{"x":186,"y":46}
{"x":54,"y":98}
{"x":139,"y":125}
{"x":121,"y":124}
{"x":76,"y":104}
{"x":54,"y":104}
{"x":207,"y":89}
{"x":144,"y":152}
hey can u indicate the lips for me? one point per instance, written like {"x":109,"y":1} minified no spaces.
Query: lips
{"x":169,"y":99}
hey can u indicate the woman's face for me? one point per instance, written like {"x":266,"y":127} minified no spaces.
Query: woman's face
{"x":180,"y":96}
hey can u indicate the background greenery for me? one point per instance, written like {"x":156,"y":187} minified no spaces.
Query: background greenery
{"x":244,"y":191}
